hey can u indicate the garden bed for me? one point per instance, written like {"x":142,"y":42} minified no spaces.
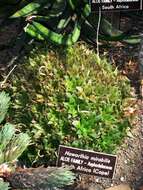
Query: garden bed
{"x":129,"y":152}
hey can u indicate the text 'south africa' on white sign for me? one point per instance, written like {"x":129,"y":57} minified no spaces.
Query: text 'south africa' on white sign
{"x":116,"y":5}
{"x":87,"y":162}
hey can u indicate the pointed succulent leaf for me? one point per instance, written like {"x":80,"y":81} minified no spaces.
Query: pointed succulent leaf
{"x":4,"y":185}
{"x":16,"y":147}
{"x":4,"y":105}
{"x":31,"y":8}
{"x":133,"y":39}
{"x":1,"y":157}
{"x":6,"y":135}
{"x":60,"y":177}
{"x":40,"y":32}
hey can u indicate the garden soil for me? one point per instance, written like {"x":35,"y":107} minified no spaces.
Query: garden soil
{"x":129,"y":168}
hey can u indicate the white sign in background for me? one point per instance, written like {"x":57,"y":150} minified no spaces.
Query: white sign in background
{"x":117,"y":5}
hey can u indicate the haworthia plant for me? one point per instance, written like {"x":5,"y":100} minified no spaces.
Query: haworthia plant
{"x":16,"y":147}
{"x":51,"y":178}
{"x":12,"y":145}
{"x":4,"y":185}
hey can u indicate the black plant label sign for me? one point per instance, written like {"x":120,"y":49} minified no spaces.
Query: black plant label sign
{"x":87,"y":162}
{"x":116,"y":5}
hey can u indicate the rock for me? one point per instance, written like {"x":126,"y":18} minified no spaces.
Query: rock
{"x":120,"y":187}
{"x":122,"y":179}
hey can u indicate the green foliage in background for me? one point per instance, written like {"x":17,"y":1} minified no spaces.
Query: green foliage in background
{"x":69,"y":97}
{"x":62,"y":21}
